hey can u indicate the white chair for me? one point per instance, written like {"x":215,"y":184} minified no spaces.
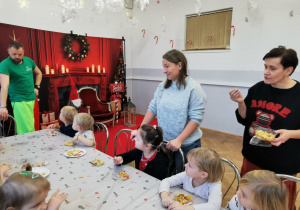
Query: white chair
{"x":292,"y":179}
{"x":8,"y":127}
{"x":236,"y":176}
{"x":101,"y":136}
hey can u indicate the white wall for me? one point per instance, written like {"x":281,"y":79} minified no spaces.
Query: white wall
{"x":218,"y":71}
{"x":269,"y":25}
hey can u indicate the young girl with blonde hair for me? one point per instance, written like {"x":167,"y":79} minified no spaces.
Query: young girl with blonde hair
{"x":260,"y":190}
{"x":28,"y":190}
{"x":83,"y":123}
{"x":202,"y":176}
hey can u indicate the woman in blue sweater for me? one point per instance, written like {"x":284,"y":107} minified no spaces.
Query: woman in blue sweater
{"x":179,"y":104}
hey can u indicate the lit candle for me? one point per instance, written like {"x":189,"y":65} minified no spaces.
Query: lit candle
{"x":47,"y":69}
{"x":99,"y":71}
{"x":103,"y":70}
{"x":67,"y":70}
{"x":62,"y":69}
{"x":93,"y":68}
{"x":52,"y":71}
{"x":87,"y":69}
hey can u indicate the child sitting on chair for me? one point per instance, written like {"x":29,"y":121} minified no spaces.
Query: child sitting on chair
{"x":28,"y":190}
{"x":83,"y":123}
{"x":202,"y":176}
{"x":260,"y":190}
{"x":149,"y":155}
{"x":66,"y":115}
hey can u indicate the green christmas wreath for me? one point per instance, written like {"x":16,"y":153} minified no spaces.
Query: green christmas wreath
{"x":68,"y":48}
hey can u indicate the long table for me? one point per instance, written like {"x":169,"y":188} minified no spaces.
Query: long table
{"x":87,"y":186}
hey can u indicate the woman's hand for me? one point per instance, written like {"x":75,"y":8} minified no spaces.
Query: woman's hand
{"x":133,"y":134}
{"x":118,"y":160}
{"x":56,"y":200}
{"x":283,"y":137}
{"x":174,"y":145}
{"x":235,"y":95}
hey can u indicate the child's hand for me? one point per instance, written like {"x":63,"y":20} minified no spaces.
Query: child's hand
{"x":166,"y":199}
{"x":118,"y":160}
{"x":4,"y":168}
{"x":76,"y":138}
{"x":178,"y":206}
{"x":51,"y":126}
{"x":56,"y":200}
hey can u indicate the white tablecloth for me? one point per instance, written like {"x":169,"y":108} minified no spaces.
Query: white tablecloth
{"x":87,"y":186}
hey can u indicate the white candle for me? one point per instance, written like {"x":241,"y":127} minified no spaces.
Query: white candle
{"x":93,"y":68}
{"x":103,"y":70}
{"x":47,"y":69}
{"x":87,"y":69}
{"x":52,"y":71}
{"x":67,"y":70}
{"x":99,"y":71}
{"x":62,"y":69}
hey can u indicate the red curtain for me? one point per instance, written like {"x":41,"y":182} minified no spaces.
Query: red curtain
{"x":45,"y":48}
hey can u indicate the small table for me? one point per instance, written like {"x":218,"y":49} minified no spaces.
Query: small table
{"x":87,"y":186}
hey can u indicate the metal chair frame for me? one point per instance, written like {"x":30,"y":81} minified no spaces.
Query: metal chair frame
{"x":2,"y":126}
{"x":102,"y":126}
{"x":237,"y":174}
{"x":117,"y":139}
{"x":171,"y":164}
{"x":293,"y":179}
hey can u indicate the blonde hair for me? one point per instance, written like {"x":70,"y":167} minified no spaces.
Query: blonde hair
{"x":69,"y":112}
{"x":269,"y":192}
{"x":84,"y":120}
{"x":209,"y":161}
{"x":21,"y":188}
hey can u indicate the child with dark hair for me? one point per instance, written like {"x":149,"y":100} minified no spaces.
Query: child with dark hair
{"x":149,"y":155}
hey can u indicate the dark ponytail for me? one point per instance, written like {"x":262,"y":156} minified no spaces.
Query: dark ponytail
{"x":154,"y":135}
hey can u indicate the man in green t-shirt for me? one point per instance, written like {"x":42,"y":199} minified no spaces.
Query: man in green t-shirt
{"x":17,"y":80}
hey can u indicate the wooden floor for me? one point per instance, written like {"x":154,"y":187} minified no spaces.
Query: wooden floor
{"x":227,"y":146}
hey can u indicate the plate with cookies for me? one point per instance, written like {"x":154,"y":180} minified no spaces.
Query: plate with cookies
{"x":263,"y":137}
{"x":41,"y":170}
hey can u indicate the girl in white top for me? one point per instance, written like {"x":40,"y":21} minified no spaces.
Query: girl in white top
{"x":202,"y":175}
{"x":260,"y":190}
{"x":83,"y":123}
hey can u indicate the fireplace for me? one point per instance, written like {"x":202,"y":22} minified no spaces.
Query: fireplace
{"x":55,"y":89}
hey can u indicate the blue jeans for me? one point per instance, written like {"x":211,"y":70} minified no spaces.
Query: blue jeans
{"x":185,"y":150}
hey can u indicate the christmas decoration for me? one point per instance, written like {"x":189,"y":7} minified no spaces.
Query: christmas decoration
{"x":156,"y":37}
{"x":118,"y":89}
{"x":198,"y":7}
{"x":233,"y":30}
{"x":143,"y":4}
{"x":99,"y":6}
{"x":69,"y":10}
{"x":115,"y":5}
{"x":24,"y":3}
{"x":72,"y":54}
{"x":164,"y":24}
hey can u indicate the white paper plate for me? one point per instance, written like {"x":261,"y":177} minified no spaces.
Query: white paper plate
{"x":52,"y":133}
{"x":82,"y":152}
{"x":41,"y":170}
